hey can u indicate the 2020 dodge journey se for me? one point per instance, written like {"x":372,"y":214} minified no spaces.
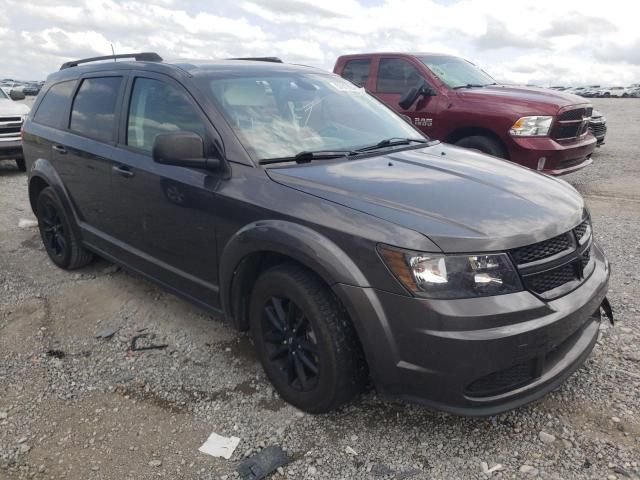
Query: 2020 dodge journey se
{"x":354,"y":249}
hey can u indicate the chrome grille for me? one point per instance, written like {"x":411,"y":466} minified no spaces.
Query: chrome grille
{"x":572,"y":124}
{"x":10,"y":128}
{"x":576,"y":114}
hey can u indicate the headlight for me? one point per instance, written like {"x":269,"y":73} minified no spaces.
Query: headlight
{"x":531,"y":127}
{"x":452,"y":276}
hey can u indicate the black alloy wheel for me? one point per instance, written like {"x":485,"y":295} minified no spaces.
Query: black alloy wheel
{"x":53,"y":231}
{"x":61,"y":242}
{"x":291,"y":343}
{"x":305,"y":340}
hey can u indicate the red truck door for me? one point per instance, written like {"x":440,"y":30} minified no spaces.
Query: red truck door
{"x":393,"y":77}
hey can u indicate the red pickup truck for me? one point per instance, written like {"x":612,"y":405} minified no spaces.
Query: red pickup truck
{"x":452,"y":100}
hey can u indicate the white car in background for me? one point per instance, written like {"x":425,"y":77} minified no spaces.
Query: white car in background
{"x":12,"y":115}
{"x":577,"y":90}
{"x":632,"y":90}
{"x":612,"y":92}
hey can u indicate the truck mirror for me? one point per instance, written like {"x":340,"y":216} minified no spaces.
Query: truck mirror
{"x":16,"y":95}
{"x":410,"y":97}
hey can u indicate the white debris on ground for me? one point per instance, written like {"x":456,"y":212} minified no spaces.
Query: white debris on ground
{"x":219,"y":446}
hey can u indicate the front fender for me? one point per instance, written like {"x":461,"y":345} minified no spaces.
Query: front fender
{"x":299,"y":242}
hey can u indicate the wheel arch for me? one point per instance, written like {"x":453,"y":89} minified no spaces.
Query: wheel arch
{"x":43,"y":175}
{"x":463,"y":132}
{"x":265,"y":243}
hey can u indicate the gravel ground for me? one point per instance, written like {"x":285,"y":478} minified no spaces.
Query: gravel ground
{"x":73,"y":406}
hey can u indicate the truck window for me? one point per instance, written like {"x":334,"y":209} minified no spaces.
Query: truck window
{"x":157,"y":107}
{"x":357,"y":71}
{"x":396,"y":75}
{"x":54,"y":104}
{"x":94,"y":108}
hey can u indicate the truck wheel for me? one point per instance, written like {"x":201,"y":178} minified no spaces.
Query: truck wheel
{"x":305,"y":341}
{"x":22,"y":166}
{"x":484,"y":144}
{"x":62,"y":245}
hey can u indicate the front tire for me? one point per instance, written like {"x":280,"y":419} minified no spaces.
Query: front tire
{"x":60,"y":241}
{"x":306,"y":343}
{"x":483,"y":144}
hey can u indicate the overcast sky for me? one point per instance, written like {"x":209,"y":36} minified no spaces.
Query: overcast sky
{"x":542,"y":41}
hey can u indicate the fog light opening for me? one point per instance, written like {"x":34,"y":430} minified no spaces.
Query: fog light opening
{"x":541,"y":162}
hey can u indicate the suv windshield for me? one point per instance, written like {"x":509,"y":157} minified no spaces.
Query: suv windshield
{"x":281,"y":115}
{"x":457,"y":72}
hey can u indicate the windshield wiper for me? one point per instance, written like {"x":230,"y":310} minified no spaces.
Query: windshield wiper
{"x":307,"y":156}
{"x":392,"y":142}
{"x":472,"y":85}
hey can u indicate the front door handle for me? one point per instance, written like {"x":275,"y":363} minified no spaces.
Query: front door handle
{"x":60,"y":149}
{"x":122,"y":170}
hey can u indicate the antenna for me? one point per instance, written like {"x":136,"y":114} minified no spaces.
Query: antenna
{"x":113,"y":52}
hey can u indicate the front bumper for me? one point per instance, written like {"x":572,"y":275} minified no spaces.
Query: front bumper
{"x":11,"y":148}
{"x":559,"y":158}
{"x":450,"y":354}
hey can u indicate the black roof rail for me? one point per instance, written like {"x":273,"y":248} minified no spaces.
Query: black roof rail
{"x":142,"y":57}
{"x":259,"y":59}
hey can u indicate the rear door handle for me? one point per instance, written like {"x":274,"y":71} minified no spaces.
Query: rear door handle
{"x":60,"y":149}
{"x":122,"y":170}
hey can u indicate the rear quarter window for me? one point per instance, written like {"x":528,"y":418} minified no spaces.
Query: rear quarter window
{"x":53,"y":108}
{"x":94,"y":109}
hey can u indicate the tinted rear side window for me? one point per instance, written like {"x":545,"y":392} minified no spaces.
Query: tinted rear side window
{"x":54,"y":106}
{"x":357,"y":71}
{"x":396,"y":75}
{"x":94,"y":108}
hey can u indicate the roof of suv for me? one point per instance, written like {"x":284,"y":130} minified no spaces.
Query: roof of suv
{"x":188,"y":67}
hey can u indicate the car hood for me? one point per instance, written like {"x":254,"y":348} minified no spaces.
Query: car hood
{"x":461,"y":200}
{"x":528,"y":99}
{"x":9,"y":107}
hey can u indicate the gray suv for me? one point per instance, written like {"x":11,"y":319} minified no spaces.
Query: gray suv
{"x":354,"y":249}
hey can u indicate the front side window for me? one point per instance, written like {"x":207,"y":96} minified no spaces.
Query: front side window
{"x":94,"y":108}
{"x":282,"y":114}
{"x":357,"y":71}
{"x":157,"y":107}
{"x":3,"y":95}
{"x":457,"y":72}
{"x":396,"y":75}
{"x":54,"y":106}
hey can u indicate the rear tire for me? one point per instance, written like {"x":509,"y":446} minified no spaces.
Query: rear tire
{"x":59,"y":239}
{"x":306,"y":343}
{"x":22,"y":165}
{"x":484,"y":144}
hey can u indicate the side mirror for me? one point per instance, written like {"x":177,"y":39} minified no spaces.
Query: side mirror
{"x":428,"y":91}
{"x":16,"y":95}
{"x":413,"y":93}
{"x":409,"y":98}
{"x":184,"y":149}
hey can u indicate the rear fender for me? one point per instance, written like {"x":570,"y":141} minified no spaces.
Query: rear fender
{"x":43,"y":170}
